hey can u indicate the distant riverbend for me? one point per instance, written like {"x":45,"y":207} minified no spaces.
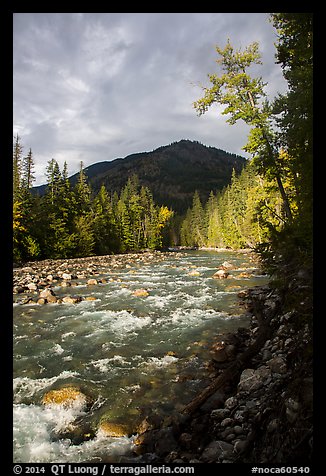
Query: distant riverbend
{"x":100,"y":341}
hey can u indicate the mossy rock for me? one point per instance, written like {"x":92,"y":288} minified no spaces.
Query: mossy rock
{"x":114,"y":429}
{"x":66,"y":396}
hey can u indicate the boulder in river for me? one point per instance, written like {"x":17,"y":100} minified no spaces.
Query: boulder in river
{"x":113,"y":429}
{"x":66,"y":396}
{"x":71,"y":299}
{"x":141,"y":293}
{"x":220,"y":274}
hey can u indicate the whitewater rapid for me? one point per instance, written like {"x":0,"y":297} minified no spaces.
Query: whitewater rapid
{"x":130,"y":354}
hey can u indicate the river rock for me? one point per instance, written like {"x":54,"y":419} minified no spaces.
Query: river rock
{"x":194,"y":273}
{"x":226,"y":265}
{"x":220,"y":413}
{"x":140,"y":293}
{"x":220,"y":274}
{"x":46,"y":293}
{"x":250,"y":380}
{"x":112,"y":429}
{"x":66,"y":276}
{"x":219,"y":352}
{"x":66,"y":396}
{"x":32,"y":286}
{"x":92,"y":282}
{"x":216,"y":450}
{"x":71,"y":299}
{"x":277,"y":365}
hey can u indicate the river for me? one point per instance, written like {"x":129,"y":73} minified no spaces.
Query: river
{"x":130,"y":354}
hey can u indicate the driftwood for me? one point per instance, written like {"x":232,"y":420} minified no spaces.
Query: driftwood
{"x":235,"y":368}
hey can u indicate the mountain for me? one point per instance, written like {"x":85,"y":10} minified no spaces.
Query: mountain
{"x":171,"y":172}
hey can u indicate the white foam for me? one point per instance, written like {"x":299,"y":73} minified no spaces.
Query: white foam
{"x":67,"y":334}
{"x":160,"y":362}
{"x":57,"y":349}
{"x":105,"y":365}
{"x":25,"y":387}
{"x":32,"y":429}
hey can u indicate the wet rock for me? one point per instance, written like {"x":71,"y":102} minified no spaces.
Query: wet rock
{"x":92,"y":282}
{"x":66,"y":276}
{"x":219,"y":352}
{"x":194,"y":273}
{"x":220,"y":274}
{"x":226,"y":265}
{"x":112,"y":429}
{"x":71,"y":299}
{"x":66,"y":396}
{"x":46,"y":293}
{"x":141,"y":293}
{"x":32,"y":286}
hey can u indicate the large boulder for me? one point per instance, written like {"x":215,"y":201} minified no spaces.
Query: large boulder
{"x":66,"y":396}
{"x":250,"y":380}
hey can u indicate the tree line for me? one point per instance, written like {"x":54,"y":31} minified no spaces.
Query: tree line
{"x":240,"y":216}
{"x":268,"y":206}
{"x":67,"y":221}
{"x":280,"y":143}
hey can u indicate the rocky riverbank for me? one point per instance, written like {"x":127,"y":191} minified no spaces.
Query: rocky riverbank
{"x":261,"y":412}
{"x":33,"y":283}
{"x":258,"y":405}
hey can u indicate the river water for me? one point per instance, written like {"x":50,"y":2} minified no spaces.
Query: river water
{"x":129,"y":354}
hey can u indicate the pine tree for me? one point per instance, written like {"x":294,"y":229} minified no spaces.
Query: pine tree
{"x":17,"y":168}
{"x":82,"y":192}
{"x":28,"y":171}
{"x":244,"y":98}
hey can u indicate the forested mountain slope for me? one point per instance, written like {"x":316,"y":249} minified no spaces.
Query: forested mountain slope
{"x":171,"y":172}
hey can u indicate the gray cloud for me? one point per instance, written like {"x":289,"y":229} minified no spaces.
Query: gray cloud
{"x":94,"y":87}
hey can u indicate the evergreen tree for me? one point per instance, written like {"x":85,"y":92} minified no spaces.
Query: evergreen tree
{"x":82,"y":192}
{"x":198,"y":221}
{"x":105,"y":233}
{"x":244,"y":98}
{"x":28,"y":171}
{"x":17,"y":168}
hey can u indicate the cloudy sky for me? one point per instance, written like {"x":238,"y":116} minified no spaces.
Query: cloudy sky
{"x":98,"y":86}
